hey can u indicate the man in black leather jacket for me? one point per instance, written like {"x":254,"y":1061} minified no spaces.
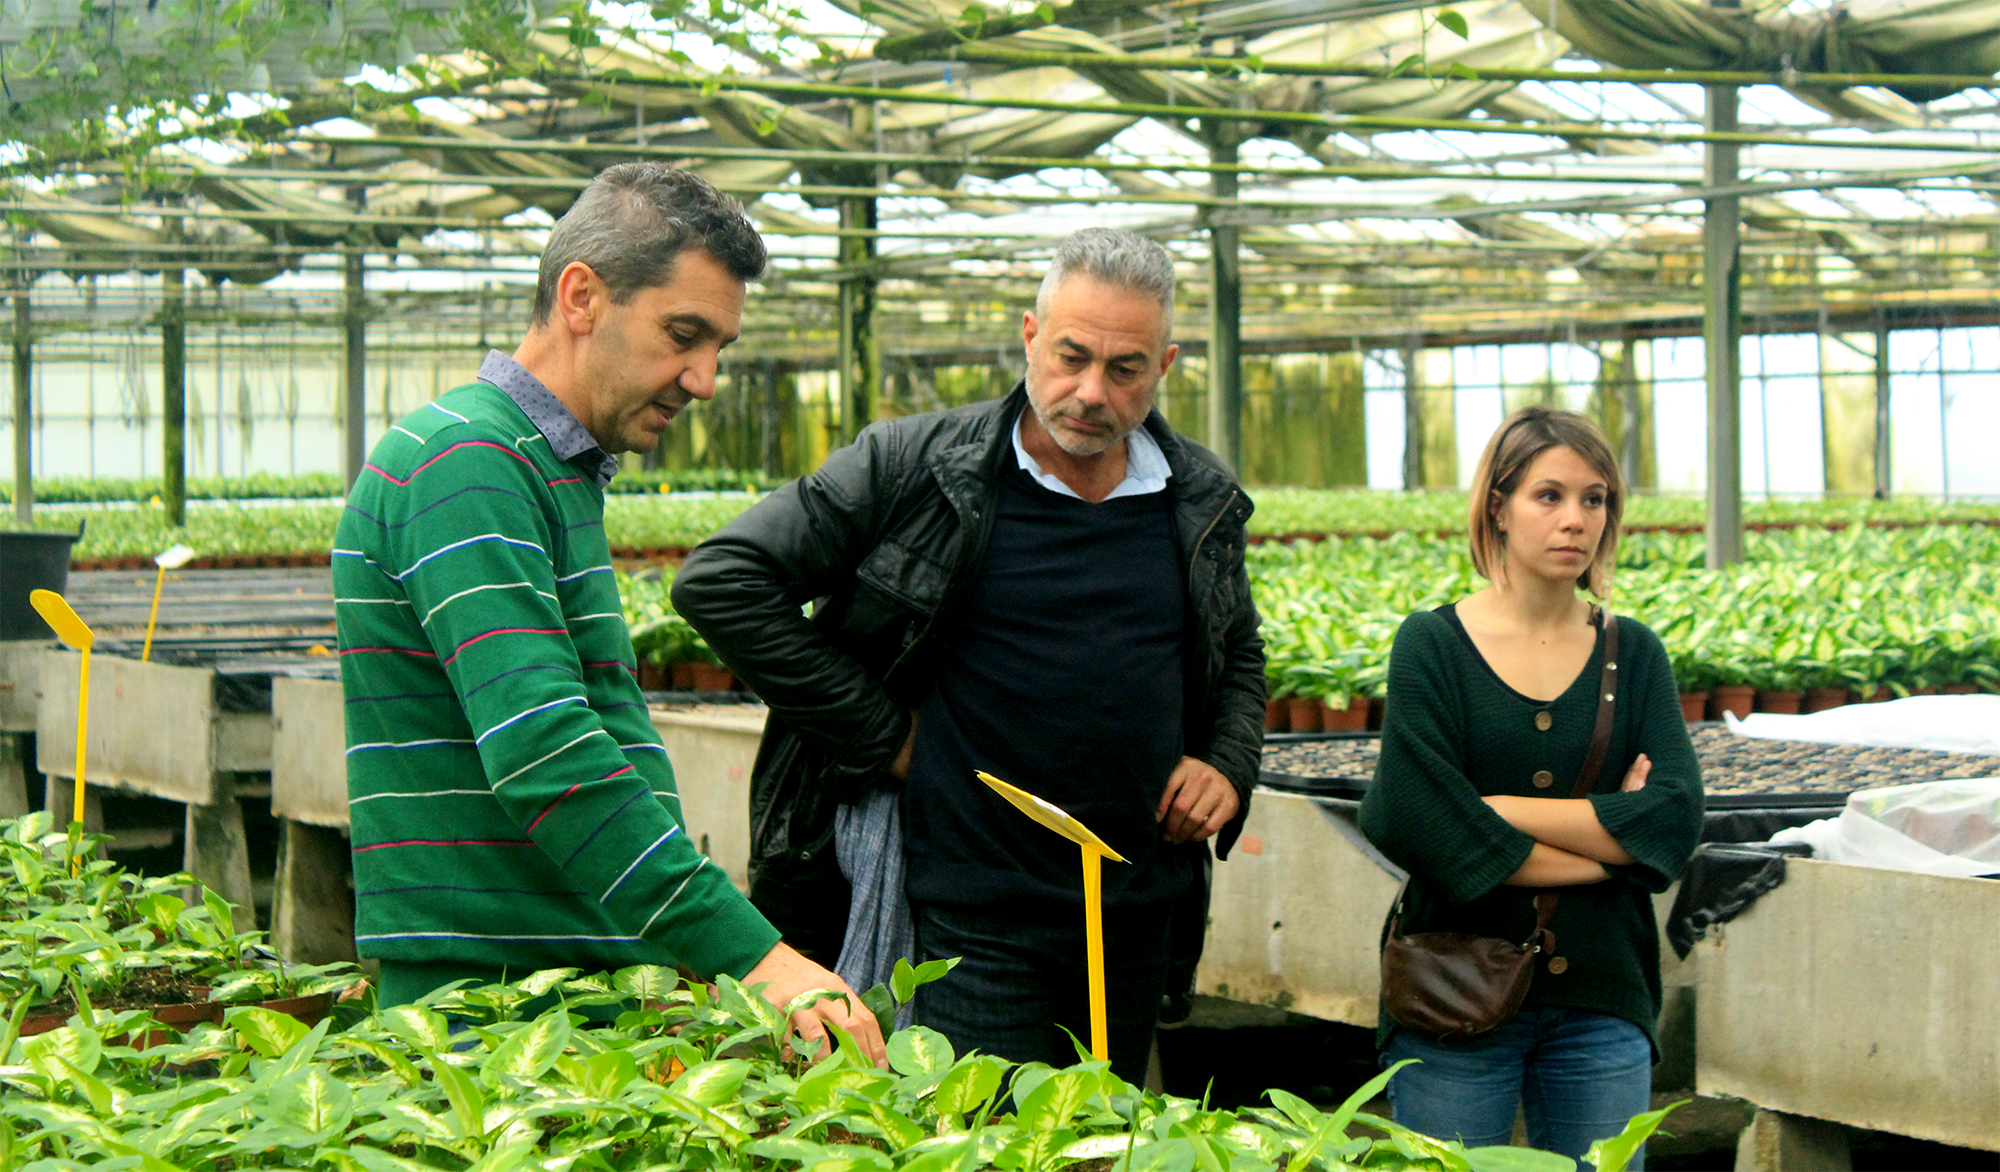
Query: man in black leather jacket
{"x":1049,"y":587}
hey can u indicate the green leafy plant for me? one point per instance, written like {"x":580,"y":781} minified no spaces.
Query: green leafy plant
{"x":514,"y":1076}
{"x":634,"y":1069}
{"x":106,"y":936}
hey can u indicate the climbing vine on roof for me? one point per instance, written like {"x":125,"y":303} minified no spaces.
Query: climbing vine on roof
{"x":95,"y":79}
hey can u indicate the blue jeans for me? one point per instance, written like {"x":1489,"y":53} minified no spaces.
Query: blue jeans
{"x":1578,"y":1076}
{"x":1022,"y":980}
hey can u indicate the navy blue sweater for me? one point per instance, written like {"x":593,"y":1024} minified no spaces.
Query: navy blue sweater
{"x":1064,"y":677}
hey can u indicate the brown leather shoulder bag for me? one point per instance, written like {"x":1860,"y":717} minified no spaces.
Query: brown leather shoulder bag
{"x":1454,"y":986}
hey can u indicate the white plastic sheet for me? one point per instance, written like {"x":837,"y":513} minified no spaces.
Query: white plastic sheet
{"x":1947,"y":724}
{"x":1937,"y":827}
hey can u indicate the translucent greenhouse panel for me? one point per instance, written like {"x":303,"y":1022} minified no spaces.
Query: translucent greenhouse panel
{"x":1972,"y":406}
{"x":1479,"y":416}
{"x":1916,"y":423}
{"x":1680,"y":413}
{"x":1847,"y":401}
{"x":1575,"y":369}
{"x":1784,"y":451}
{"x":1382,"y":406}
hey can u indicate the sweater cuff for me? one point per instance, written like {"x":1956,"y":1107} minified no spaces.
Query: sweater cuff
{"x":732,"y":942}
{"x":1479,"y":874}
{"x":1632,"y":820}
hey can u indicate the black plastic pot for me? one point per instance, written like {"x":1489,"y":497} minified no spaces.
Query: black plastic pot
{"x":31,"y":561}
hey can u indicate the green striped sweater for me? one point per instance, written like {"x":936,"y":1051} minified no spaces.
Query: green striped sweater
{"x":511,"y":804}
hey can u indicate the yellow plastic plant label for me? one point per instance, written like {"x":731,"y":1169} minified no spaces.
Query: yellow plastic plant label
{"x":56,"y":612}
{"x":1049,"y":815}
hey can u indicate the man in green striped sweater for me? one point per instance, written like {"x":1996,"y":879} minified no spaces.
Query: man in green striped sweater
{"x":512,"y":807}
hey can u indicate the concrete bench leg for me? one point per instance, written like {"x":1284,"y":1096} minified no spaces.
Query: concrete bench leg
{"x":59,"y":795}
{"x":13,"y":775}
{"x":1776,"y":1142}
{"x":217,"y":852}
{"x":312,"y":921}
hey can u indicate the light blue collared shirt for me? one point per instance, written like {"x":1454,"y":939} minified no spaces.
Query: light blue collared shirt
{"x":1146,"y":469}
{"x":557,"y":423}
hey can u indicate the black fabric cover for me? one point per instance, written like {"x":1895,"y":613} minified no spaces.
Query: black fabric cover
{"x":1720,"y":881}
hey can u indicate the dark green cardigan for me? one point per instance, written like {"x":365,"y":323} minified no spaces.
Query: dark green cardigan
{"x":1454,"y":733}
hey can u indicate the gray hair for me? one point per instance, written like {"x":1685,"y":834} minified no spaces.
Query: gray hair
{"x":635,"y":220}
{"x":1115,"y":257}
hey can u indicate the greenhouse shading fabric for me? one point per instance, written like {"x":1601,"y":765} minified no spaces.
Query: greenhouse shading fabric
{"x":1869,"y":36}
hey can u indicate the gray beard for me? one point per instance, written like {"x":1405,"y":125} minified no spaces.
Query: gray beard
{"x":1076,"y":447}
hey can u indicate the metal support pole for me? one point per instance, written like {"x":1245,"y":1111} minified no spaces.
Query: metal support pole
{"x":24,"y":369}
{"x":173,"y":384}
{"x":1413,"y":421}
{"x":354,"y":398}
{"x":860,"y":347}
{"x":1722,"y":331}
{"x":1883,"y":465}
{"x":1225,"y":311}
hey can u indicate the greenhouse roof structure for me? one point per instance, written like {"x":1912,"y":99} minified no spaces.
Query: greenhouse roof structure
{"x":1334,"y":174}
{"x":1548,"y":168}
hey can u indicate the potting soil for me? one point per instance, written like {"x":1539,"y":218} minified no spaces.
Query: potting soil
{"x":1737,"y":773}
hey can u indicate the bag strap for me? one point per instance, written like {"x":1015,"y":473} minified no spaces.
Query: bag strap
{"x":1607,"y":695}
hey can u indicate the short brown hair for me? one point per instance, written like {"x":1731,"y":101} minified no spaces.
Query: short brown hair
{"x":634,"y":221}
{"x":1525,"y":435}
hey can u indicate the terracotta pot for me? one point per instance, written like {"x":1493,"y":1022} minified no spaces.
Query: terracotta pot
{"x":1277,"y":716}
{"x":1878,"y":696}
{"x":1926,"y":690}
{"x":710,"y":678}
{"x":680,"y":674}
{"x":1735,"y":698}
{"x":1307,"y":713}
{"x":186,"y":1015}
{"x":1821,"y":699}
{"x":1375,"y":709}
{"x":309,"y":1010}
{"x":652,"y":677}
{"x":1694,"y":706}
{"x":1959,"y":690}
{"x":1350,"y":717}
{"x":1782,"y":700}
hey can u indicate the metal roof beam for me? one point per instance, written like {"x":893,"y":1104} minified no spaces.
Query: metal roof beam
{"x":900,"y":49}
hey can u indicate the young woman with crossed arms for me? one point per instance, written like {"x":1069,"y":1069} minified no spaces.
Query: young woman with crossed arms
{"x":1491,"y":704}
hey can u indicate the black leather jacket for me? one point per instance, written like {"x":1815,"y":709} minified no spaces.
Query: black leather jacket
{"x":887,"y":538}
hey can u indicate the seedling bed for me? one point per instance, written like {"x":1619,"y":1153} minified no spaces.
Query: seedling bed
{"x":1736,"y":772}
{"x":205,"y":604}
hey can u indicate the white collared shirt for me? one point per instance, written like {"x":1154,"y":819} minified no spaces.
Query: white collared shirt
{"x":1146,"y":469}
